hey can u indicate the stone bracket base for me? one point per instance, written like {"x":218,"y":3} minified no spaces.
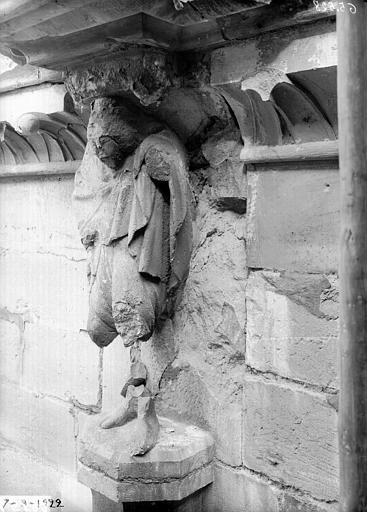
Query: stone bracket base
{"x":177,"y":467}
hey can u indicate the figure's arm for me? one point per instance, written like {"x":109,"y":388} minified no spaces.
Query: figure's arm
{"x":157,"y":162}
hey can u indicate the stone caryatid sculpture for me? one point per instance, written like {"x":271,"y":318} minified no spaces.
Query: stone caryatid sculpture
{"x":132,"y":200}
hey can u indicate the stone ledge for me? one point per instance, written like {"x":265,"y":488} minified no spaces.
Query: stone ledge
{"x":179,"y":465}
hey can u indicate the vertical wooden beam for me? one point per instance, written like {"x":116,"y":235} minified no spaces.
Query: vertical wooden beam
{"x":352,"y":113}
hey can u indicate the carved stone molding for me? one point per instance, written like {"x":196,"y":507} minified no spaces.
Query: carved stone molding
{"x":57,"y":34}
{"x":43,"y":144}
{"x":276,"y":110}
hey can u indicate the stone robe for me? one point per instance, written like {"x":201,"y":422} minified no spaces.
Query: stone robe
{"x":136,"y":226}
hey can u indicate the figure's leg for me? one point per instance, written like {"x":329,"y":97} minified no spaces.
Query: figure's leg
{"x":135,"y":303}
{"x":101,"y":327}
{"x":135,"y":299}
{"x":133,"y":387}
{"x":136,"y":400}
{"x":147,"y":427}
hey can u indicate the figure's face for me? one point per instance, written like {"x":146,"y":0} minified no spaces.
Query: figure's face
{"x":114,"y":131}
{"x":106,"y":145}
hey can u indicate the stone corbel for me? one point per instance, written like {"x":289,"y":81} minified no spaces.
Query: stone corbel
{"x":183,"y":101}
{"x":141,"y":74}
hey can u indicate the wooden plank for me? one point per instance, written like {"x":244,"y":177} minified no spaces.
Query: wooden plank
{"x":352,"y":113}
{"x":320,"y":150}
{"x":41,"y":169}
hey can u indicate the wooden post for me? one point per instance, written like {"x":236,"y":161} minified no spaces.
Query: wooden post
{"x":352,"y":111}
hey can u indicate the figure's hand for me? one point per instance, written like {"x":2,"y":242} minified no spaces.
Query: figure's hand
{"x":157,"y":164}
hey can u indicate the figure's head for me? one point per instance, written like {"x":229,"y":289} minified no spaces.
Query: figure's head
{"x":116,"y":129}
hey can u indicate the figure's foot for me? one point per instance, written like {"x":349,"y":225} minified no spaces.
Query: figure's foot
{"x":118,"y":417}
{"x":147,"y":427}
{"x":125,"y":412}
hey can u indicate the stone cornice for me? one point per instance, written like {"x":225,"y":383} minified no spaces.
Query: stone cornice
{"x":57,"y":36}
{"x":282,"y":92}
{"x":27,"y":76}
{"x":308,"y":151}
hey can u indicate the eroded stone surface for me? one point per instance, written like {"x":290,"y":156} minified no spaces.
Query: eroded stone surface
{"x":288,"y":232}
{"x":10,"y":349}
{"x":72,"y":364}
{"x":22,"y":473}
{"x":290,"y":435}
{"x":237,"y":490}
{"x":240,"y":489}
{"x":146,"y":73}
{"x":133,"y":204}
{"x":39,"y":424}
{"x":203,"y":384}
{"x":288,"y":51}
{"x":292,"y":327}
{"x":282,"y":432}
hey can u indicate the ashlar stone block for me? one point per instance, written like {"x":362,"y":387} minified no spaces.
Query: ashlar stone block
{"x":239,"y":490}
{"x":10,"y":350}
{"x":293,"y":219}
{"x":70,"y":363}
{"x":24,"y":474}
{"x":53,"y":289}
{"x":36,"y":216}
{"x":290,"y":435}
{"x":292,"y":326}
{"x":38,"y":424}
{"x":186,"y":395}
{"x":179,"y":465}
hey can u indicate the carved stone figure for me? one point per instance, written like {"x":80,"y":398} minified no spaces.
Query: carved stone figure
{"x":132,"y":200}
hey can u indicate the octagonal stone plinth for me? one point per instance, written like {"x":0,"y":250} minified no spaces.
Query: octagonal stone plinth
{"x":179,"y":465}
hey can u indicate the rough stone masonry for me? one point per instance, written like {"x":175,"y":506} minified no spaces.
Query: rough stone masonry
{"x":249,"y":354}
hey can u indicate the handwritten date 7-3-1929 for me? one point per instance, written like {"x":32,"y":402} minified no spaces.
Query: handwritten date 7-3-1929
{"x":29,"y":503}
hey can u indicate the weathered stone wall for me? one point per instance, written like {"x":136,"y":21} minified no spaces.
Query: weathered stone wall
{"x":250,"y":354}
{"x":258,"y":327}
{"x":257,"y":340}
{"x":50,"y":372}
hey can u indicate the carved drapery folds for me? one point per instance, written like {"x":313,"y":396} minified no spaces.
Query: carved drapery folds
{"x":133,"y":204}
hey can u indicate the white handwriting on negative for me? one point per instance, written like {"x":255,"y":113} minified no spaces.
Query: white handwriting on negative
{"x":335,"y":6}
